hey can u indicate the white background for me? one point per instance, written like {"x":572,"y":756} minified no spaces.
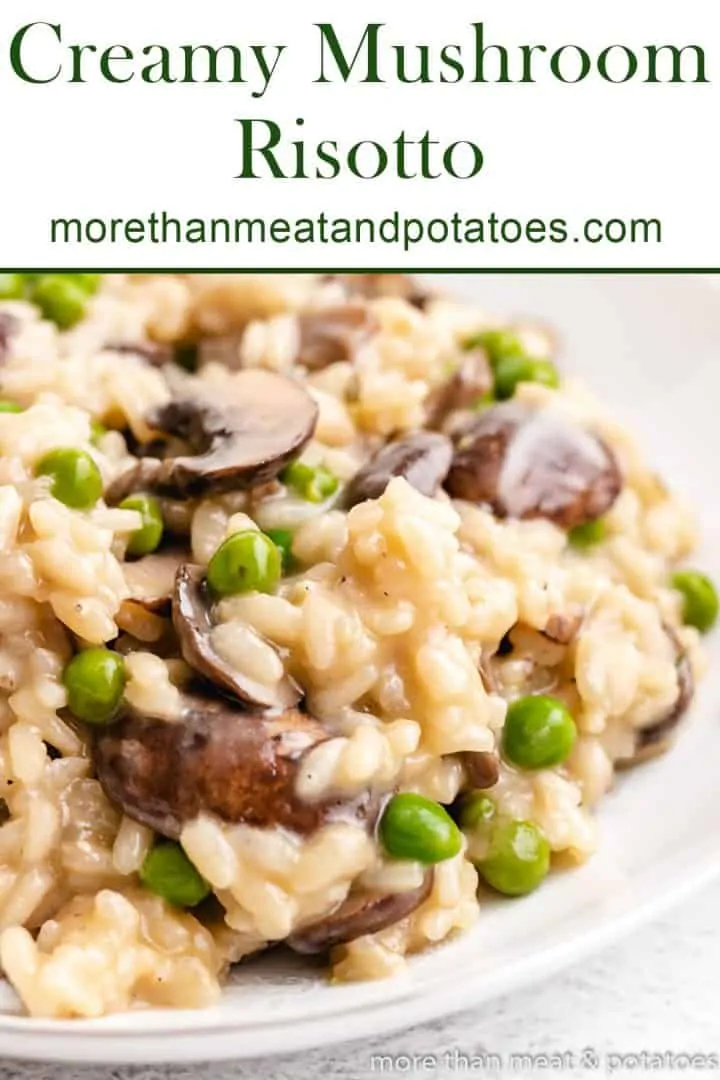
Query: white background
{"x":551,"y":149}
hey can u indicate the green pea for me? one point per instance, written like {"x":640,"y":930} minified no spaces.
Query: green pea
{"x":313,"y":482}
{"x":89,"y":283}
{"x":167,"y":871}
{"x":247,"y":561}
{"x":700,"y":599}
{"x":518,"y":859}
{"x":413,"y":827}
{"x":514,"y":369}
{"x":476,"y":810}
{"x":95,"y":681}
{"x":283,"y":540}
{"x":148,"y":536}
{"x":539,"y":732}
{"x":76,"y":479}
{"x":588,"y":534}
{"x":12,"y":286}
{"x":496,"y":343}
{"x":10,"y":407}
{"x":60,"y":299}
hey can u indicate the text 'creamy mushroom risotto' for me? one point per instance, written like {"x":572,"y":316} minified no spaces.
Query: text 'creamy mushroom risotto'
{"x":322,"y":600}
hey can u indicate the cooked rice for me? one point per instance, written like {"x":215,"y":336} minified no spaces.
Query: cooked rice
{"x":384,"y":622}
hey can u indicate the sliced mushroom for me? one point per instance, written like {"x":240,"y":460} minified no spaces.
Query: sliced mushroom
{"x":363,"y":912}
{"x":217,"y":758}
{"x":482,"y":767}
{"x":422,"y":458}
{"x":373,"y":286}
{"x":239,"y":436}
{"x":462,"y":390}
{"x":657,"y":737}
{"x":191,"y":606}
{"x":534,"y":463}
{"x":151,"y":580}
{"x":334,"y":335}
{"x":9,"y":326}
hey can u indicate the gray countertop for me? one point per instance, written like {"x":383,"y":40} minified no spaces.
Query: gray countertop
{"x":657,"y":992}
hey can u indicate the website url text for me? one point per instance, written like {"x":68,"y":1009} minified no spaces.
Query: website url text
{"x":394,"y":230}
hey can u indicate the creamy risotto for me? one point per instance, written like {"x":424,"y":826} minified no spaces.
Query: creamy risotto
{"x":328,"y":607}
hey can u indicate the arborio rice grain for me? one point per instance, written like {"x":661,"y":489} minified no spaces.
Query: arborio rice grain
{"x":401,"y":627}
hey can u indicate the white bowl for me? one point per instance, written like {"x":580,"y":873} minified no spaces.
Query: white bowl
{"x":650,"y":346}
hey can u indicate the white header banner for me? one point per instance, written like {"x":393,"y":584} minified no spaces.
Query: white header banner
{"x":314,"y":134}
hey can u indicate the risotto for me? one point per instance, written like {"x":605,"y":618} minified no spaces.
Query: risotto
{"x":328,"y":607}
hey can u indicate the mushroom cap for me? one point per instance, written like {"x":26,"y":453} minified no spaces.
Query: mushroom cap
{"x":333,"y":335}
{"x":482,"y":767}
{"x":215,"y":758}
{"x":191,"y":606}
{"x":422,"y":458}
{"x":657,"y":737}
{"x":461,"y":390}
{"x":534,"y":463}
{"x":240,"y":435}
{"x":363,"y":912}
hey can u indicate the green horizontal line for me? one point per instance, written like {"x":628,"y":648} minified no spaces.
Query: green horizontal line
{"x":361,"y":270}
